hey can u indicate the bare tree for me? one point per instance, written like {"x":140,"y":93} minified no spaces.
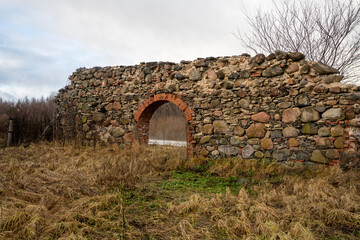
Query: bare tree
{"x":326,"y":31}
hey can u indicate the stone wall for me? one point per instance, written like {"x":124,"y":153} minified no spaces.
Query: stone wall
{"x":280,"y":106}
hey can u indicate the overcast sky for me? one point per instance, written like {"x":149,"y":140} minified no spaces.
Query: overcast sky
{"x":42,"y":42}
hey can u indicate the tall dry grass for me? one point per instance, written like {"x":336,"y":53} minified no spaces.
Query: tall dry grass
{"x":52,"y":192}
{"x":305,"y":203}
{"x":48,"y":191}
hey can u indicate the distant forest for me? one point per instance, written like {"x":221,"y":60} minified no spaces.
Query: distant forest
{"x":32,"y":120}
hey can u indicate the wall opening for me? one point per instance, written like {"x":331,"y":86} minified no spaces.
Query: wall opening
{"x":147,"y":115}
{"x":168,"y":126}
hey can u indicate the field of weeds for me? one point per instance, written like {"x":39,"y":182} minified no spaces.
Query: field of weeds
{"x":49,"y":191}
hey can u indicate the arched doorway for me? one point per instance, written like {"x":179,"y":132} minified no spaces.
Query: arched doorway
{"x":148,"y":108}
{"x":168,"y":126}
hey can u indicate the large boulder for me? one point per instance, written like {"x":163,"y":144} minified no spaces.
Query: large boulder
{"x":266,"y":144}
{"x":339,"y":142}
{"x":281,"y":155}
{"x":296,"y":56}
{"x":258,"y":59}
{"x":309,"y":114}
{"x":293,"y":68}
{"x":239,"y":131}
{"x":256,"y":130}
{"x":324,"y":132}
{"x":195,"y":75}
{"x":324,"y":69}
{"x":291,"y":115}
{"x":333,"y":114}
{"x":302,"y":100}
{"x":337,"y":131}
{"x":205,"y":139}
{"x":318,"y":157}
{"x":98,"y":117}
{"x":207,"y":129}
{"x":261,"y":117}
{"x":273,"y":71}
{"x":235,"y":141}
{"x":117,"y":132}
{"x":290,"y":132}
{"x":293,"y":142}
{"x":247,"y":151}
{"x":220,"y":127}
{"x":228,"y":150}
{"x":309,"y":129}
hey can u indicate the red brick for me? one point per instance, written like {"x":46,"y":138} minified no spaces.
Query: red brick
{"x":146,"y":110}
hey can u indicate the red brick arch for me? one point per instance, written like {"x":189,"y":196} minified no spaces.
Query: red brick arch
{"x":147,"y":109}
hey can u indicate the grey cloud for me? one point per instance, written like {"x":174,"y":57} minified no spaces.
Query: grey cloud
{"x":50,"y":39}
{"x":20,"y":65}
{"x":6,"y":96}
{"x":146,"y":29}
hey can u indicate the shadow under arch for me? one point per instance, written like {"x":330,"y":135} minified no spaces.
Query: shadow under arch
{"x":147,"y":109}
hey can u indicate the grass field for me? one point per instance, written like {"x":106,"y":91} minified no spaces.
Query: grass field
{"x":49,"y":191}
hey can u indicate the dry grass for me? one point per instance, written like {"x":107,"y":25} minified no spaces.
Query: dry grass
{"x":295,"y":210}
{"x":54,"y":192}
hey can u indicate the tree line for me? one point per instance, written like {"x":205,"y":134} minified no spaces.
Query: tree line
{"x":32,"y":120}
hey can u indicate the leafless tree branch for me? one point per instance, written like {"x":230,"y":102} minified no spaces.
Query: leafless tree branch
{"x":326,"y":31}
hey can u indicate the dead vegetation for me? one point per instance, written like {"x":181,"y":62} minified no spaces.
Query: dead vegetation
{"x":303,"y":204}
{"x":48,"y":191}
{"x":33,"y":120}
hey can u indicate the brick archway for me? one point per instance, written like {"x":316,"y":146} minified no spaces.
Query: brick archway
{"x":147,"y":109}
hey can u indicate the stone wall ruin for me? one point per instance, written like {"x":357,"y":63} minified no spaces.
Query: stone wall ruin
{"x":280,"y":107}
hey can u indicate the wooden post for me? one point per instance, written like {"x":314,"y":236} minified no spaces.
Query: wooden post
{"x":10,"y":132}
{"x":94,"y":137}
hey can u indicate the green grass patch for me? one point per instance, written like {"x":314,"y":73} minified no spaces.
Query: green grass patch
{"x":181,"y":179}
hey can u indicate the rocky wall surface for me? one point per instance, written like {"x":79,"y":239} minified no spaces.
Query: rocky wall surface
{"x":280,"y":106}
